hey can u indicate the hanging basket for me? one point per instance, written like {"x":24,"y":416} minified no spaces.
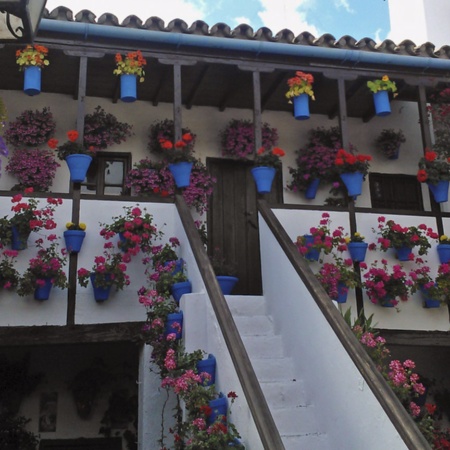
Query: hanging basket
{"x":444,"y":253}
{"x":43,"y":292}
{"x":128,"y":88}
{"x":263,"y":177}
{"x":208,"y":366}
{"x":353,"y":182}
{"x":100,"y":293}
{"x":19,"y":241}
{"x":357,"y":250}
{"x":342,"y":293}
{"x":78,"y":166}
{"x":226,"y":283}
{"x":311,"y":191}
{"x":179,"y":289}
{"x":219,"y":407}
{"x":301,"y":106}
{"x":312,"y":254}
{"x":170,"y":327}
{"x":32,"y":80}
{"x":381,"y":103}
{"x":74,"y":240}
{"x":439,"y":191}
{"x":403,"y":253}
{"x":181,"y":173}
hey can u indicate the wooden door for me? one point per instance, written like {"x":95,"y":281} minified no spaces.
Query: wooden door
{"x":233,"y":220}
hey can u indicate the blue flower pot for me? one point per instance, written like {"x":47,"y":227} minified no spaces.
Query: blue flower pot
{"x":381,"y":102}
{"x":179,"y":289}
{"x":181,"y":173}
{"x":301,"y":106}
{"x":312,"y":254}
{"x":311,"y":191}
{"x":429,"y":302}
{"x":226,"y":283}
{"x":100,"y":293}
{"x":171,"y":320}
{"x":128,"y":88}
{"x":357,"y":251}
{"x":439,"y":191}
{"x":342,"y":293}
{"x":444,"y":253}
{"x":219,"y":407}
{"x":32,"y":80}
{"x":177,"y":266}
{"x":403,"y":253}
{"x":19,"y":241}
{"x":43,"y":292}
{"x":263,"y":177}
{"x":353,"y":182}
{"x":387,"y":302}
{"x":74,"y":240}
{"x":208,"y":366}
{"x":78,"y":166}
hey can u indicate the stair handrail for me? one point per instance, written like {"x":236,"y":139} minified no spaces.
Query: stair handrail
{"x":268,"y":431}
{"x":400,"y":418}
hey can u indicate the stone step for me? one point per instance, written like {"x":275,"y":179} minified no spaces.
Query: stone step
{"x":270,"y":346}
{"x":272,"y":369}
{"x":306,"y":441}
{"x":246,"y":305}
{"x":295,"y":421}
{"x":254,"y":325}
{"x":280,"y":394}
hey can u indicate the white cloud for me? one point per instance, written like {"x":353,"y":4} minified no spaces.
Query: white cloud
{"x":189,"y":11}
{"x":344,"y":4}
{"x":241,"y":19}
{"x":291,"y":14}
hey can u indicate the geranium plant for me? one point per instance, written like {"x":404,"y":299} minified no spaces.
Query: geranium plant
{"x":389,"y":140}
{"x":179,"y":151}
{"x":238,"y":138}
{"x":433,"y":169}
{"x":31,"y":128}
{"x":394,"y":235}
{"x":9,"y":276}
{"x":300,"y":84}
{"x":355,"y":237}
{"x":71,"y":147}
{"x":424,"y":282}
{"x":48,"y":264}
{"x":161,"y":254}
{"x":386,"y":284}
{"x":346,"y":162}
{"x":76,"y":226}
{"x":108,"y":270}
{"x":102,"y":129}
{"x":132,"y":64}
{"x":383,"y":84}
{"x":165,"y":129}
{"x":33,"y":167}
{"x":269,"y":158}
{"x":32,"y":55}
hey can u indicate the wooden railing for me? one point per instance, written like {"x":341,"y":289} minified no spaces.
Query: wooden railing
{"x":398,"y":415}
{"x":268,"y":432}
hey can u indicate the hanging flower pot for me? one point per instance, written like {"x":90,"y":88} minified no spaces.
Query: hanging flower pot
{"x":208,"y":366}
{"x":353,"y":182}
{"x":219,"y":407}
{"x":74,"y":240}
{"x":381,"y":102}
{"x":357,"y":250}
{"x":128,"y":88}
{"x":176,"y":264}
{"x":181,"y":172}
{"x":403,"y":253}
{"x":226,"y":283}
{"x":444,"y":253}
{"x":32,"y":80}
{"x":174,"y":324}
{"x":19,"y":241}
{"x":342,"y":293}
{"x":101,"y":293}
{"x":439,"y":191}
{"x":395,"y":154}
{"x":387,"y":302}
{"x":311,"y":191}
{"x":179,"y":289}
{"x":312,"y":254}
{"x":301,"y":106}
{"x":78,"y":166}
{"x":428,"y":301}
{"x":263,"y":177}
{"x":43,"y":292}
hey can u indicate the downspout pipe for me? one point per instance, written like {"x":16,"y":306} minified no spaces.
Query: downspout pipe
{"x":253,"y":47}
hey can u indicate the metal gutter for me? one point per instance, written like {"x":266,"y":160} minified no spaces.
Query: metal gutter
{"x":253,"y":48}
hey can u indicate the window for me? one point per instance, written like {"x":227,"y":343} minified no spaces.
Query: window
{"x":395,"y":191}
{"x":106,"y":174}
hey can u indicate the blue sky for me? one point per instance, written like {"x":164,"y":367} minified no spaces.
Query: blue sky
{"x":357,"y":18}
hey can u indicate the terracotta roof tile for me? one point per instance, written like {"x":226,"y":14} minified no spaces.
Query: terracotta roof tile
{"x":85,"y":16}
{"x":132,"y":22}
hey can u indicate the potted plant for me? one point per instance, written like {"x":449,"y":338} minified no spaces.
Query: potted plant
{"x":33,"y":167}
{"x":165,"y":255}
{"x":384,"y":284}
{"x":165,"y":129}
{"x":129,"y":69}
{"x":74,"y":236}
{"x":108,"y":271}
{"x":300,"y":89}
{"x":237,"y":139}
{"x":443,"y":249}
{"x":44,"y":271}
{"x":135,"y":228}
{"x":180,"y":159}
{"x":357,"y":247}
{"x":388,"y":142}
{"x":337,"y":278}
{"x":380,"y":89}
{"x":31,"y":128}
{"x":9,"y":276}
{"x":404,"y":239}
{"x":77,"y":157}
{"x":102,"y":129}
{"x":31,"y":59}
{"x":429,"y":287}
{"x":174,"y":283}
{"x":435,"y":171}
{"x":266,"y":164}
{"x":353,"y":170}
{"x":225,"y":272}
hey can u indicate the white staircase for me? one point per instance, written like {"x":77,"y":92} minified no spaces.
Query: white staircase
{"x":295,"y":416}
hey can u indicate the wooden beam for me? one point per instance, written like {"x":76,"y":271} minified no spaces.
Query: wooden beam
{"x":257,"y":110}
{"x":197,"y":84}
{"x":70,"y":334}
{"x":416,"y":338}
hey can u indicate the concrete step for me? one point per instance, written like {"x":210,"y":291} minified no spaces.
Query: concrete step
{"x":272,"y":369}
{"x":285,"y":394}
{"x":254,"y":325}
{"x":270,"y":346}
{"x":306,"y":441}
{"x":246,"y":305}
{"x":297,"y":420}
